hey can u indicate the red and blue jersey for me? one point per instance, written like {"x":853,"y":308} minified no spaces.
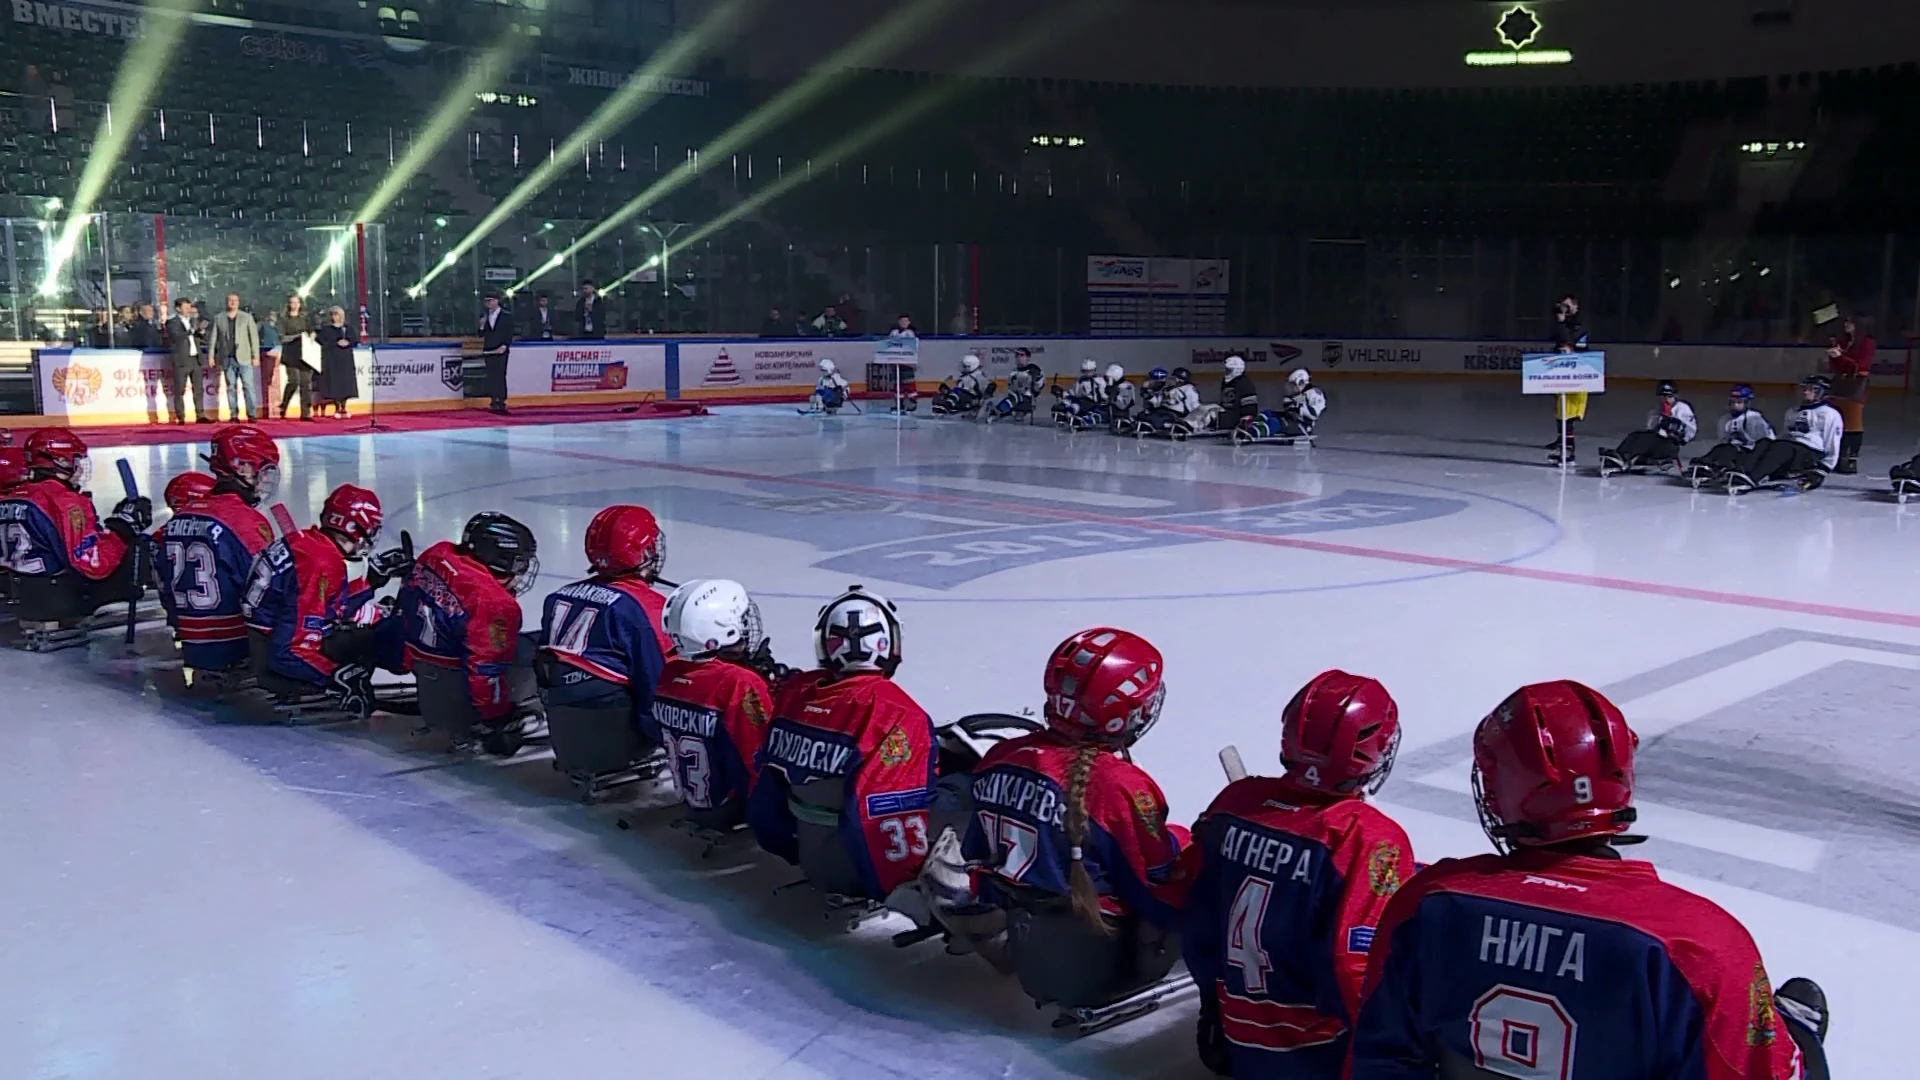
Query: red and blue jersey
{"x":712,"y":716}
{"x":868,"y":733}
{"x":457,"y":615}
{"x":608,"y":629}
{"x":1564,"y":967}
{"x":204,"y":559}
{"x":1019,"y":828}
{"x":1285,"y":889}
{"x":47,"y":528}
{"x":298,"y":591}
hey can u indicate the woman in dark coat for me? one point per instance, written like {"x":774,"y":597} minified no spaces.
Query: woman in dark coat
{"x":337,"y":380}
{"x":295,"y":366}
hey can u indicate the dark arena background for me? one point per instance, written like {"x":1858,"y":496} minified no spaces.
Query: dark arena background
{"x":739,"y":262}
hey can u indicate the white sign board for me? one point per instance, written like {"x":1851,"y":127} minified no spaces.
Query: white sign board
{"x":748,"y":368}
{"x":1563,"y":373}
{"x":584,"y":370}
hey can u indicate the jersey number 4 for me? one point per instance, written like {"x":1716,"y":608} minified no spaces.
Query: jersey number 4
{"x":1523,"y":1034}
{"x":1245,"y":921}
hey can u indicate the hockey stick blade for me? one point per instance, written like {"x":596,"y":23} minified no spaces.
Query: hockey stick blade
{"x":1231,"y":764}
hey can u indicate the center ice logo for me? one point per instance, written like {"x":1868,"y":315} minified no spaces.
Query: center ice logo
{"x":945,"y":526}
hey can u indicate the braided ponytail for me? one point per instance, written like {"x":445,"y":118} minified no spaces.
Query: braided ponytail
{"x":1086,"y":898}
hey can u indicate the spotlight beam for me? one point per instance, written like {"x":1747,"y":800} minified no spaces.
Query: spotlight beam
{"x":904,"y":25}
{"x":622,"y":105}
{"x":147,"y":59}
{"x":908,"y":112}
{"x":427,"y":141}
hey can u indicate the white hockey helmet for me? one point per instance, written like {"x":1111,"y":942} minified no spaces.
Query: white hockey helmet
{"x":1088,"y":367}
{"x":704,"y":617}
{"x":858,"y":631}
{"x":1297,"y":378}
{"x":969,"y":362}
{"x":1235,"y":367}
{"x":826,"y":366}
{"x":1115,"y":373}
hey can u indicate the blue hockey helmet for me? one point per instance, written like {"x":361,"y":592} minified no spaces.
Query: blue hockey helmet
{"x":1158,"y":374}
{"x":1741,"y":392}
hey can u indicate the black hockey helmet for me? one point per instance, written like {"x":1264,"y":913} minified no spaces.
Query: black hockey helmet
{"x":503,"y":546}
{"x":1667,"y":389}
{"x":1819,"y":384}
{"x":1182,"y":375}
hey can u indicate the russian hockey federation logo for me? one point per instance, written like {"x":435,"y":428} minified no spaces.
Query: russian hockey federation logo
{"x":722,"y":373}
{"x":895,"y":749}
{"x":1383,"y":869}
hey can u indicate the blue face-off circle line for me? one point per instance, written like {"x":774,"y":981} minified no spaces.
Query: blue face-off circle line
{"x":1555,"y":535}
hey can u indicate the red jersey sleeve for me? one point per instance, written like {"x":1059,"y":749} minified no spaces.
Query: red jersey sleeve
{"x":1131,"y":810}
{"x":1745,"y":1038}
{"x":493,"y":632}
{"x":1374,"y":859}
{"x":746,"y":721}
{"x":321,"y":573}
{"x":94,"y":552}
{"x":894,"y":785}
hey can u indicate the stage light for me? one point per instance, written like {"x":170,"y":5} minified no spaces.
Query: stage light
{"x":904,"y":25}
{"x":907,"y":112}
{"x":622,"y":105}
{"x":448,"y":117}
{"x":162,"y":25}
{"x":439,"y":223}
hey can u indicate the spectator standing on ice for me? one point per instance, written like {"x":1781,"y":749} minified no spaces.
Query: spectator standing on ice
{"x":1850,"y":362}
{"x":235,"y":345}
{"x":338,"y":381}
{"x":1569,"y":335}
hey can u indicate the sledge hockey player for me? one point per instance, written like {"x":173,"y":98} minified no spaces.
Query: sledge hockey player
{"x":830,"y":390}
{"x":1303,"y":865}
{"x":1740,"y":429}
{"x":203,"y":557}
{"x":1178,"y":402}
{"x":1085,"y":398}
{"x":1491,"y":964}
{"x":847,"y":769}
{"x":1122,"y":399}
{"x":712,"y":706}
{"x":601,"y":648}
{"x":1905,"y":478}
{"x":65,"y":564}
{"x":1670,"y":426}
{"x":1023,"y":387}
{"x":461,"y":615}
{"x":1805,"y":456}
{"x":1239,"y":399}
{"x":13,"y":473}
{"x":300,"y":608}
{"x":1069,"y":850}
{"x":967,"y":393}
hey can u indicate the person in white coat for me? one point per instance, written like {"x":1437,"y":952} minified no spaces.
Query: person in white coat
{"x":1670,"y":426}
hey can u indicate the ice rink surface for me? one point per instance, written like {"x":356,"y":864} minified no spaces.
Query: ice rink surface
{"x":190,"y":897}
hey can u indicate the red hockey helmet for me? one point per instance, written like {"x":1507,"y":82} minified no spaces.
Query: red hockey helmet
{"x":13,"y":466}
{"x":625,"y":540}
{"x":1340,"y":733}
{"x":247,"y":456}
{"x":353,"y":514}
{"x":1104,"y":685}
{"x":58,"y":454}
{"x":1554,"y":762}
{"x":188,"y":487}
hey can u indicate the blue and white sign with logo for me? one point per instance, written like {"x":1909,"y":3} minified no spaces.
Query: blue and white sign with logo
{"x":902,"y":349}
{"x":1563,"y":373}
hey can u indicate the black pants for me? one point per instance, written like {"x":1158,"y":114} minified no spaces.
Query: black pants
{"x":1770,"y":458}
{"x":1720,"y":456}
{"x":1649,"y":446}
{"x":298,"y":380}
{"x":184,"y":381}
{"x":497,"y":378}
{"x":1908,"y":470}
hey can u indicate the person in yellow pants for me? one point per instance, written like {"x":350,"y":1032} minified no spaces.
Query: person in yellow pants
{"x":1571,"y":408}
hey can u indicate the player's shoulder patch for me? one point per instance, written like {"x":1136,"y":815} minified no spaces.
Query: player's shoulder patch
{"x":1147,"y":809}
{"x":1383,"y":868}
{"x":76,"y":518}
{"x":1760,"y":1015}
{"x":497,"y":634}
{"x":754,"y":711}
{"x":896,"y":748}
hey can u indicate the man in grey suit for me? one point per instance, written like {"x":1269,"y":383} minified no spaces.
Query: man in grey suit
{"x":235,"y":345}
{"x":496,"y":335}
{"x":186,"y":366}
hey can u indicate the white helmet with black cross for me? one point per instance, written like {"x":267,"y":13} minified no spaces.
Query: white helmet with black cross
{"x":858,"y":631}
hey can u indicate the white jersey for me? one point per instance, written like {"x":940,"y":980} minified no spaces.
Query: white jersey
{"x":1743,"y":429}
{"x":1125,"y":396}
{"x":1308,"y":404}
{"x":971,"y":383}
{"x":1820,"y":427}
{"x":1090,"y":388}
{"x":1682,"y":412}
{"x":1181,"y":400}
{"x":829,"y":382}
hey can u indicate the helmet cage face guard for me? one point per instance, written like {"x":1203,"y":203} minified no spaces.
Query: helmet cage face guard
{"x":81,"y":473}
{"x":524,"y":575}
{"x":825,"y":633}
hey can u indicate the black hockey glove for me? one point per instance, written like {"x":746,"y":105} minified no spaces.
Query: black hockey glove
{"x":1673,"y":429}
{"x":384,"y":566}
{"x":1211,"y":1039}
{"x":763,"y":663}
{"x":136,"y":512}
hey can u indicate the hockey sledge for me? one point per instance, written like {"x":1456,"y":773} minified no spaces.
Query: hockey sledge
{"x":1739,"y":483}
{"x":1262,"y":431}
{"x":1905,"y":489}
{"x":54,"y":635}
{"x":1612,"y":464}
{"x":1088,"y":1020}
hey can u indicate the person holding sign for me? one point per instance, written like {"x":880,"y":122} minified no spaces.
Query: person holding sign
{"x":1569,"y":335}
